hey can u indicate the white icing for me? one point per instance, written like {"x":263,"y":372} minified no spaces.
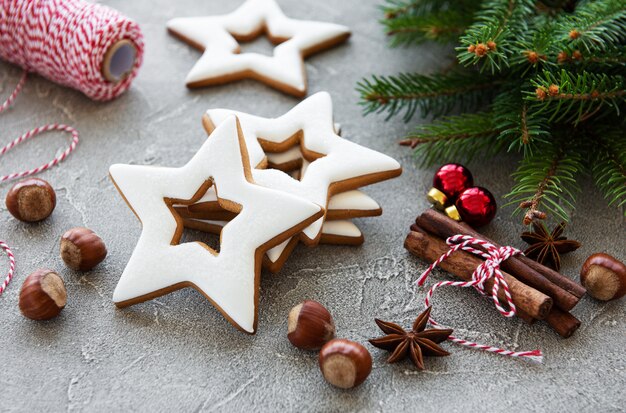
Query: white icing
{"x":354,"y":200}
{"x":351,"y":200}
{"x":228,"y":278}
{"x":343,"y":159}
{"x":305,"y":166}
{"x":209,"y":195}
{"x":289,"y":155}
{"x":216,"y":223}
{"x":221,"y":57}
{"x":342,"y":228}
{"x":275,"y":253}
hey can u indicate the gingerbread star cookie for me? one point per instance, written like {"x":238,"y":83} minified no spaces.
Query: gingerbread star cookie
{"x":333,"y":164}
{"x":229,"y":279}
{"x":344,"y":205}
{"x":222,"y":62}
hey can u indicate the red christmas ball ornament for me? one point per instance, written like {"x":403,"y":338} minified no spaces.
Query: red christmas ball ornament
{"x":449,"y":181}
{"x":476,"y":206}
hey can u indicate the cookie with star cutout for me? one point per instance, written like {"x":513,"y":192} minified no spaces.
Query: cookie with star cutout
{"x":222,"y":61}
{"x":331,"y":165}
{"x":342,"y":206}
{"x":229,"y":279}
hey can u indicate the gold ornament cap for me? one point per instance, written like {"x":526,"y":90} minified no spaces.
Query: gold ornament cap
{"x":453,"y":213}
{"x":437,"y":198}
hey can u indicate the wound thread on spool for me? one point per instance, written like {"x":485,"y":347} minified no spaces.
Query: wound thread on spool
{"x":86,"y":46}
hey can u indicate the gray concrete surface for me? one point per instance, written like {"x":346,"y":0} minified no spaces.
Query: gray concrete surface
{"x":178,"y":353}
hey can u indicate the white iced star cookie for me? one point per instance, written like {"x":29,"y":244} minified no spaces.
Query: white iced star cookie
{"x":221,"y":61}
{"x":159,"y":264}
{"x":333,"y":164}
{"x":345,"y":205}
{"x":340,"y":232}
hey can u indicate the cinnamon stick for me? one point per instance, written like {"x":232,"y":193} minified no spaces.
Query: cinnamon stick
{"x":442,"y":226}
{"x":553,"y":276}
{"x":462,"y":264}
{"x":569,"y":284}
{"x":562,"y":322}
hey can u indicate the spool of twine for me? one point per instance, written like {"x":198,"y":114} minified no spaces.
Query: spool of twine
{"x":85,"y":46}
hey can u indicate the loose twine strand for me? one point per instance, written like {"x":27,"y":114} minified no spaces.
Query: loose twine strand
{"x":490,"y":268}
{"x":11,"y":257}
{"x":31,"y":134}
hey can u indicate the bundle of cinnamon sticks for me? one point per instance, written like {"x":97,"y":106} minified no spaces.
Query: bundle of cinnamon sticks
{"x":539,"y":292}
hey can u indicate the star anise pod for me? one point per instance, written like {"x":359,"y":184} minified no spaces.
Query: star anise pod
{"x":417,"y":342}
{"x":546,"y":247}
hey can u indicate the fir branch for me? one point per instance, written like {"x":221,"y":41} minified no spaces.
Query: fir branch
{"x":520,"y":127}
{"x":609,"y":165}
{"x":488,"y":41}
{"x":595,"y":26}
{"x":546,"y":182}
{"x":606,"y":60}
{"x":434,"y":94}
{"x":532,"y":51}
{"x":454,"y":137}
{"x":443,"y":27}
{"x":576,"y":97}
{"x":399,"y":8}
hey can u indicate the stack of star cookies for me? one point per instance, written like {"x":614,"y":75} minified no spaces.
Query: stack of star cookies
{"x":301,"y":153}
{"x":263,"y":185}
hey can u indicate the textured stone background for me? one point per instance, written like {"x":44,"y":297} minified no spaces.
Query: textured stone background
{"x":178,"y":352}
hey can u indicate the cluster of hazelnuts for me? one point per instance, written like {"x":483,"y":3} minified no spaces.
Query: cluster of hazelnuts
{"x":343,"y":363}
{"x":43,"y":293}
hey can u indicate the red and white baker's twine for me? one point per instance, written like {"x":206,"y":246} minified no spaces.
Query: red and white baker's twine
{"x":9,"y":276}
{"x":66,"y":41}
{"x":489,"y":268}
{"x":33,"y":133}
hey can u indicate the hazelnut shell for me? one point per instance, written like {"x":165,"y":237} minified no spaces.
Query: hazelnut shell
{"x":43,"y":295}
{"x":31,"y":200}
{"x":344,"y":363}
{"x":604,"y":277}
{"x":81,"y":249}
{"x":310,"y":326}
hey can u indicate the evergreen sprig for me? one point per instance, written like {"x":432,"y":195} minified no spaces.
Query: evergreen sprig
{"x":488,"y":42}
{"x":565,"y":96}
{"x":464,"y":135}
{"x":546,"y":182}
{"x":542,"y":78}
{"x":596,"y":26}
{"x":520,"y":127}
{"x":435,"y":94}
{"x":609,"y":166}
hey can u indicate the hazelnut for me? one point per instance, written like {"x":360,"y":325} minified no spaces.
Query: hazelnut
{"x":31,"y":200}
{"x":82,"y":249}
{"x":604,"y":277}
{"x":344,"y":363}
{"x":310,"y":325}
{"x":43,"y":295}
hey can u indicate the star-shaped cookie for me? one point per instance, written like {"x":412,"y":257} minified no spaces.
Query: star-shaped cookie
{"x":221,"y":61}
{"x":159,"y":264}
{"x":334,"y":164}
